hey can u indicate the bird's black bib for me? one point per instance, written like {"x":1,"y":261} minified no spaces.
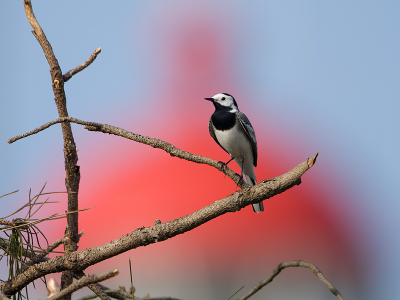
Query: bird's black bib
{"x":223,"y":120}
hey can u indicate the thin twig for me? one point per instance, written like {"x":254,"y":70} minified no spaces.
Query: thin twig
{"x":47,"y":125}
{"x":21,"y":224}
{"x":39,"y":258}
{"x":31,"y":17}
{"x":144,"y":236}
{"x":155,"y":143}
{"x":8,"y":194}
{"x":157,"y":298}
{"x":297,"y":263}
{"x":123,"y":295}
{"x":84,"y":281}
{"x":98,"y":291}
{"x":117,"y":294}
{"x":235,"y":293}
{"x":95,"y":287}
{"x":67,"y":76}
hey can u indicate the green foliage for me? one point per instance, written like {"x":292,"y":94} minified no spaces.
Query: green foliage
{"x":21,"y":240}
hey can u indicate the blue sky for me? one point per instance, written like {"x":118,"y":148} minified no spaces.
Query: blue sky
{"x":325,"y":73}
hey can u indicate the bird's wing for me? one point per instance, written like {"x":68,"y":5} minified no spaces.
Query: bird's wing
{"x":212,"y":133}
{"x":244,"y":121}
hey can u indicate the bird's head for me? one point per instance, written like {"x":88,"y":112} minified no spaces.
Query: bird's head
{"x":224,"y":101}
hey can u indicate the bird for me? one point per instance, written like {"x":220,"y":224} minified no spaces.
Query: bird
{"x":232,"y":131}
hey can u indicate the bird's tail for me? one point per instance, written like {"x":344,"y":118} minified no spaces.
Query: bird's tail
{"x":258,"y":206}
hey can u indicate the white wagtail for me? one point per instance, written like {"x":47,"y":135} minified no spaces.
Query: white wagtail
{"x":232,"y":130}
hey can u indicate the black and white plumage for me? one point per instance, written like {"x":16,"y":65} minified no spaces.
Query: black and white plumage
{"x":232,"y":130}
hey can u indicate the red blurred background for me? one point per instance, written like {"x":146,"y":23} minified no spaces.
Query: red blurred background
{"x":130,"y":185}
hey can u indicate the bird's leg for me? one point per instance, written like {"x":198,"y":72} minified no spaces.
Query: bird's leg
{"x":229,"y":161}
{"x":241,"y":173}
{"x":225,"y":165}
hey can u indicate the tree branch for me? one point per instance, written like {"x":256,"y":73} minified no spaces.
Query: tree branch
{"x":37,"y":258}
{"x":70,"y":155}
{"x":298,"y":263}
{"x":80,"y":260}
{"x":122,"y":295}
{"x":84,"y":281}
{"x":117,"y":294}
{"x":95,"y":287}
{"x":67,"y":76}
{"x":98,"y":291}
{"x":155,"y":143}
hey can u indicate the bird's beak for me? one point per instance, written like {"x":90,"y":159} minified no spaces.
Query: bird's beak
{"x":209,"y":99}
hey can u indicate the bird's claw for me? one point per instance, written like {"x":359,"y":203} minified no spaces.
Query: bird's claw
{"x":241,"y":180}
{"x":224,"y":166}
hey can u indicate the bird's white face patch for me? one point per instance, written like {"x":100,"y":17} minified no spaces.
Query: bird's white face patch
{"x":227,"y":101}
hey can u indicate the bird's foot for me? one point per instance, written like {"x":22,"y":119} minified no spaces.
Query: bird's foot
{"x":241,"y":180}
{"x":224,"y":166}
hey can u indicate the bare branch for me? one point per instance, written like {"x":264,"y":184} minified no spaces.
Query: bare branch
{"x":297,"y":263}
{"x":155,"y":143}
{"x":31,"y":18}
{"x":158,"y":298}
{"x":95,"y":287}
{"x":117,"y":294}
{"x":98,"y":291}
{"x":67,"y":76}
{"x":84,"y":281}
{"x":41,"y":257}
{"x":80,"y":260}
{"x":34,"y":131}
{"x":44,"y":43}
{"x":21,"y":224}
{"x":70,"y":155}
{"x":123,"y":295}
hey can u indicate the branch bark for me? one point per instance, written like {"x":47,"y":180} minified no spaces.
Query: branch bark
{"x":155,"y":143}
{"x":84,"y":281}
{"x":292,"y":264}
{"x":80,"y":260}
{"x":67,"y":76}
{"x":70,"y":155}
{"x":116,"y":294}
{"x":95,"y":287}
{"x":77,"y":261}
{"x":39,"y":257}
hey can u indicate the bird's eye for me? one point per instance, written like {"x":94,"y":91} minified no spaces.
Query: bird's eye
{"x":223,"y":98}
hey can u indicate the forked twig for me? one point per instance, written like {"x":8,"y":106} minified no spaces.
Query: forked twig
{"x":144,"y":236}
{"x":94,"y":287}
{"x":297,"y":263}
{"x":67,"y":76}
{"x":155,"y":143}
